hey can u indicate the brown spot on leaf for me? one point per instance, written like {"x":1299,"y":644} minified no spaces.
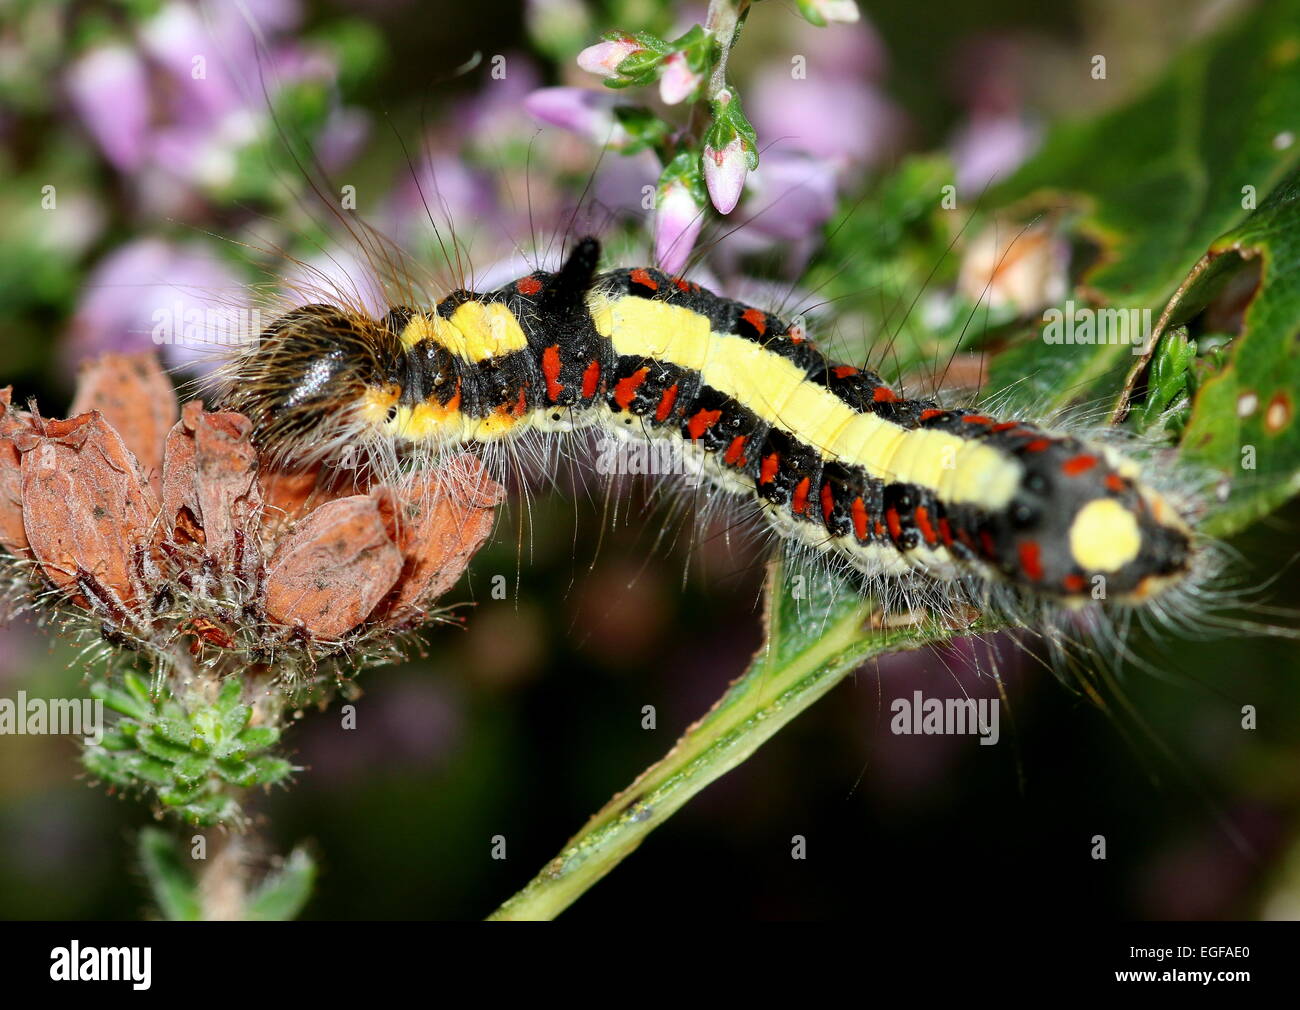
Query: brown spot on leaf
{"x":1279,"y":412}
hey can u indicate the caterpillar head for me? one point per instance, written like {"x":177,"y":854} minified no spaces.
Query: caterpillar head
{"x":1085,"y":526}
{"x":313,"y":381}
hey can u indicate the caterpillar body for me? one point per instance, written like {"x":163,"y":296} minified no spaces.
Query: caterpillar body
{"x":831,"y":456}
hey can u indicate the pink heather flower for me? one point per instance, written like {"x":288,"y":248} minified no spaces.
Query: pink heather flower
{"x":142,"y":284}
{"x":839,"y":118}
{"x":678,"y":220}
{"x":589,"y":114}
{"x":724,"y":173}
{"x":989,"y":148}
{"x":791,"y":196}
{"x":603,"y":58}
{"x":109,"y":88}
{"x":677,"y":81}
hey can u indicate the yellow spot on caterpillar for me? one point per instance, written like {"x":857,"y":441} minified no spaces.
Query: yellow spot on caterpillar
{"x":376,"y":402}
{"x":778,"y":391}
{"x":476,"y":331}
{"x":1104,"y":536}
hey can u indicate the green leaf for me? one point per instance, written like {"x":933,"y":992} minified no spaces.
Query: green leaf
{"x":282,"y":895}
{"x":1243,"y":421}
{"x":173,"y":887}
{"x":258,"y":738}
{"x":1154,"y":182}
{"x":120,"y":701}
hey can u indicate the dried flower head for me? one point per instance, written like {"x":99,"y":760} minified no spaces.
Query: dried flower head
{"x":156,"y":531}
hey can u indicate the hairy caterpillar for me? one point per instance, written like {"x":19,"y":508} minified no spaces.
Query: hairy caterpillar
{"x":830,"y":456}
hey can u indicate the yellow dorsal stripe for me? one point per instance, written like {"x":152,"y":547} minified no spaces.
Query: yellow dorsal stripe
{"x":955,"y":469}
{"x":476,"y":331}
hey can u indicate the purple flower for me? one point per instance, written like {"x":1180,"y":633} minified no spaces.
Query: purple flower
{"x":677,"y":81}
{"x":603,"y":58}
{"x":336,"y":277}
{"x":175,"y":113}
{"x":155,"y":295}
{"x":724,"y":173}
{"x":109,"y":89}
{"x":589,"y":114}
{"x":677,"y":223}
{"x":841,"y":119}
{"x":989,"y":148}
{"x":791,"y":196}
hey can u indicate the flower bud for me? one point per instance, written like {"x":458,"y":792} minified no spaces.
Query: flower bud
{"x":603,"y":58}
{"x":678,"y":220}
{"x":724,"y":173}
{"x":677,"y":81}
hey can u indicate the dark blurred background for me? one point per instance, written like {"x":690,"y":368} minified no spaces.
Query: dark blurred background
{"x":528,"y":720}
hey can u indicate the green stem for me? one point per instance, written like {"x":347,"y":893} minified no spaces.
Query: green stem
{"x":789,"y":673}
{"x":723,"y":22}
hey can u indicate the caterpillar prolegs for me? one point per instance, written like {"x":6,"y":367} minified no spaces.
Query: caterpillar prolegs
{"x":832,"y":456}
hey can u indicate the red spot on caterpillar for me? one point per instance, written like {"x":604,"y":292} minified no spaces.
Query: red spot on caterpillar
{"x":828,"y":502}
{"x":590,"y":380}
{"x":521,"y":404}
{"x":883,"y":394}
{"x":1114,"y":483}
{"x":682,"y":286}
{"x":1037,"y":445}
{"x":771,"y":463}
{"x":945,"y":531}
{"x":732,"y":456}
{"x":923,"y":524}
{"x":701,"y":422}
{"x":880,"y":530}
{"x":1073,"y":583}
{"x":986,"y":541}
{"x":1031,"y":559}
{"x":859,"y":518}
{"x":1076,"y":465}
{"x":756,"y":319}
{"x":976,"y":419}
{"x":799,"y":506}
{"x":1005,"y":426}
{"x":642,"y":277}
{"x":551,"y":371}
{"x":844,"y":371}
{"x":625,"y":389}
{"x":930,"y":412}
{"x":895,"y":527}
{"x":666,"y":403}
{"x":528,"y":286}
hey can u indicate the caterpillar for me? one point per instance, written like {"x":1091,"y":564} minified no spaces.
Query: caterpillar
{"x":830,"y":456}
